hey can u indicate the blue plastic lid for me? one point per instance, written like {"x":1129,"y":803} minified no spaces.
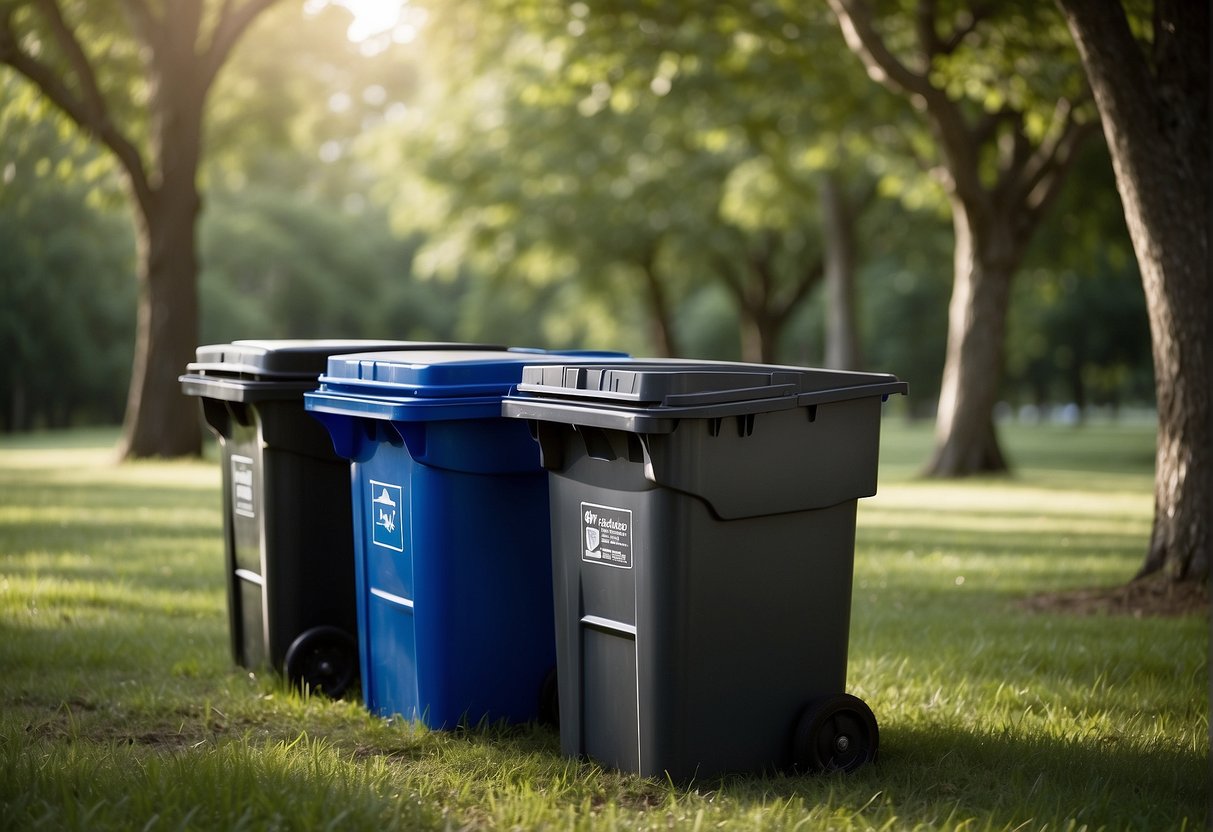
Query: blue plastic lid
{"x":430,"y":385}
{"x":440,"y":373}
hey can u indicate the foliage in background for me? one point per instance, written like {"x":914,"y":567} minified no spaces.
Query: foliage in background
{"x":536,"y":205}
{"x":66,"y":255}
{"x":677,"y":148}
{"x":1078,"y":331}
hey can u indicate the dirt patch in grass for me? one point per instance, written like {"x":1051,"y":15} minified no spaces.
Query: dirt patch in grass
{"x":1147,"y":597}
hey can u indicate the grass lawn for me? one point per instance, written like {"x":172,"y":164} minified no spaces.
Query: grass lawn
{"x":120,"y":708}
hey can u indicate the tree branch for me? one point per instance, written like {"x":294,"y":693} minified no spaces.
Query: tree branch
{"x":985,"y":129}
{"x":954,"y":134}
{"x":1047,"y":185}
{"x":1052,"y":155}
{"x":809,"y":278}
{"x":92,"y":101}
{"x":882,"y":65}
{"x":1061,"y":123}
{"x":979,"y":12}
{"x":143,"y":21}
{"x":928,"y":32}
{"x":90,"y":113}
{"x":724,"y":268}
{"x":1015,"y":152}
{"x":233,"y":21}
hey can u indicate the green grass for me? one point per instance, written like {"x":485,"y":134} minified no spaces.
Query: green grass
{"x":120,"y":708}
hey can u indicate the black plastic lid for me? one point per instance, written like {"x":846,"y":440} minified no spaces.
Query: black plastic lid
{"x":286,"y":359}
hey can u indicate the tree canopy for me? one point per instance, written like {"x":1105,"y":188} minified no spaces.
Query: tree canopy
{"x":639,"y":176}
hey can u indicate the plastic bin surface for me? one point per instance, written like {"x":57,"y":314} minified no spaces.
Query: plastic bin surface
{"x":703,"y":522}
{"x":288,"y":539}
{"x":451,"y":533}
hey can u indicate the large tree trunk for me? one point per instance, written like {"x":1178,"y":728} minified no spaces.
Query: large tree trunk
{"x":985,"y":261}
{"x":160,"y":421}
{"x":841,"y":323}
{"x":1157,"y":127}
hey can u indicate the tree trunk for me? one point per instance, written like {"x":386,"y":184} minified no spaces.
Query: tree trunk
{"x":664,"y":338}
{"x":985,"y":260}
{"x":841,"y":324}
{"x":759,"y":335}
{"x":1157,"y":127}
{"x":160,"y":421}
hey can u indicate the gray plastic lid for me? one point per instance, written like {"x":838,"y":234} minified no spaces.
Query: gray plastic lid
{"x":650,"y":395}
{"x":300,"y":358}
{"x":670,"y":387}
{"x":685,"y":384}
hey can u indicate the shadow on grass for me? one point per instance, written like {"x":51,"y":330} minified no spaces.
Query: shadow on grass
{"x":998,"y":779}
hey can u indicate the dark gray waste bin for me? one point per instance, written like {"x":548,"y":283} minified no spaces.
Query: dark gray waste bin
{"x":286,"y":507}
{"x":703,"y":529}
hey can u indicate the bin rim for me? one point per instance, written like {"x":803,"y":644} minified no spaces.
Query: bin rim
{"x":661,"y":419}
{"x":396,"y":409}
{"x":648,"y":396}
{"x":297,"y":358}
{"x":234,"y":389}
{"x":417,"y":375}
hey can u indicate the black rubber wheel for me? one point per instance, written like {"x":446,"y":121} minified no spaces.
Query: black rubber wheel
{"x":838,"y":733}
{"x":324,"y":660}
{"x":549,"y":700}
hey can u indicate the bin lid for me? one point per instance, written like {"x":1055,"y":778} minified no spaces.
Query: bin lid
{"x":439,"y":373}
{"x":298,"y":358}
{"x":431,"y":385}
{"x":262,"y":370}
{"x":649,"y":394}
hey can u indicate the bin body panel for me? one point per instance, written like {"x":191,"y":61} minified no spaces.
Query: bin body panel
{"x":776,"y":462}
{"x":288,"y":530}
{"x":389,"y":674}
{"x":693,"y":653}
{"x":455,"y":613}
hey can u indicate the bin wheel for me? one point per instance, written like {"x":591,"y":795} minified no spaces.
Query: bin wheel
{"x":323,"y":659}
{"x":837,"y":733}
{"x":549,"y":700}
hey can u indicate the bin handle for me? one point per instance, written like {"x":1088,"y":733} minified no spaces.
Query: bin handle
{"x":859,"y":391}
{"x":218,"y":417}
{"x":741,"y":394}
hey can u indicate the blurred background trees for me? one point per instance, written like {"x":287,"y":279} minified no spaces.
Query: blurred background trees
{"x":720,"y":182}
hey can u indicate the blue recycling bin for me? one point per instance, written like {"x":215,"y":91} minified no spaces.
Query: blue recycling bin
{"x":451,"y":533}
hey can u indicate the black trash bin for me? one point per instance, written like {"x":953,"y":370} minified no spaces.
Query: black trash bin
{"x":286,"y":507}
{"x":703,"y":528}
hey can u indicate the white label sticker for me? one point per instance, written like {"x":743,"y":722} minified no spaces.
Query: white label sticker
{"x":242,"y":486}
{"x":606,"y":535}
{"x":387,"y":528}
